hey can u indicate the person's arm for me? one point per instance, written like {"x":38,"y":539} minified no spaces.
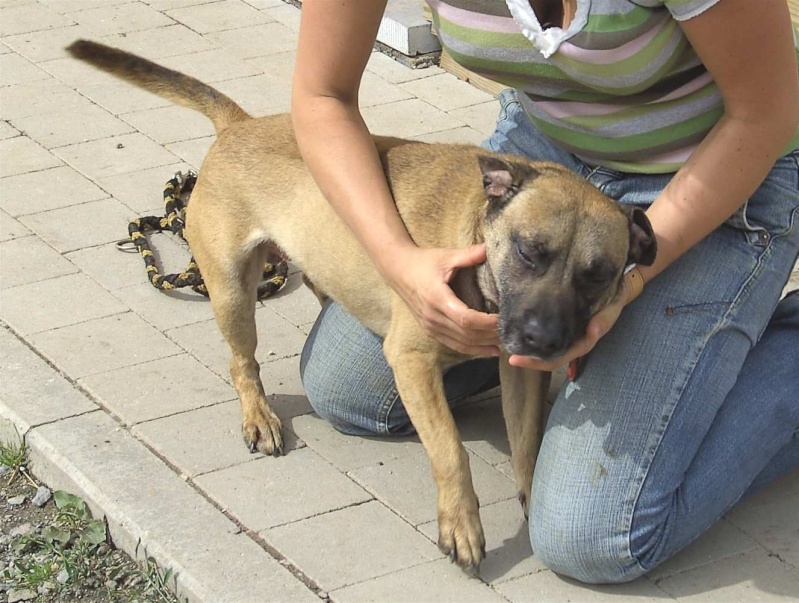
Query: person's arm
{"x":748,"y":47}
{"x":335,"y":42}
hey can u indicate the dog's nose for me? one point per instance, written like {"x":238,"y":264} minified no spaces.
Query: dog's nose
{"x":543,"y":338}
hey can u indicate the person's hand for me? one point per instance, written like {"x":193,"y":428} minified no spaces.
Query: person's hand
{"x":597,"y":328}
{"x":421,"y":277}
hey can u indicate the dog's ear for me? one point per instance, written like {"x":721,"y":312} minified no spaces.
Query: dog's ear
{"x":503,"y":179}
{"x":643,"y":244}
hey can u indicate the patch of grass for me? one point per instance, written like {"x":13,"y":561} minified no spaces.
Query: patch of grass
{"x":13,"y":455}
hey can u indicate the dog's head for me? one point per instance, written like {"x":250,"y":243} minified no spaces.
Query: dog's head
{"x":556,"y":252}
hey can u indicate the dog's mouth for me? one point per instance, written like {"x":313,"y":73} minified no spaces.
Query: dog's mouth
{"x":531,"y":338}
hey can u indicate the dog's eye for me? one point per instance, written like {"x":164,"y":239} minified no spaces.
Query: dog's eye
{"x":534,"y":255}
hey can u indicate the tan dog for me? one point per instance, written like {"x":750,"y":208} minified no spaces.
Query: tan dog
{"x":556,"y":249}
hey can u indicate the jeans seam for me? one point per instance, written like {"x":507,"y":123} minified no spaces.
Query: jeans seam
{"x":385,"y":410}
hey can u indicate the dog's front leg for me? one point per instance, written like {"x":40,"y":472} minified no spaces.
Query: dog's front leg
{"x":415,"y":360}
{"x":523,"y":396}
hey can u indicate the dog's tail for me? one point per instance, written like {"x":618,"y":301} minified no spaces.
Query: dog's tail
{"x":181,"y":89}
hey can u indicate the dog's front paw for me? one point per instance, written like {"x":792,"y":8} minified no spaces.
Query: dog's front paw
{"x":262,"y":432}
{"x":460,"y":536}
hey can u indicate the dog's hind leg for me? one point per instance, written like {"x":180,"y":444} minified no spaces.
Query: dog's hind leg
{"x":523,"y":396}
{"x":415,"y":360}
{"x":232,"y":276}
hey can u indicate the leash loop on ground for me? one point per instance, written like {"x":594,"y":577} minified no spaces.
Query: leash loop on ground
{"x":177,"y":192}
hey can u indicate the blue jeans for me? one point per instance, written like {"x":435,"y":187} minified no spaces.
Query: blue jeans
{"x":687,"y":405}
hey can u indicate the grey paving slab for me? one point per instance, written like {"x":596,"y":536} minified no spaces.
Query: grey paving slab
{"x":295,"y":302}
{"x":461,"y":135}
{"x":205,"y":439}
{"x":158,"y":388}
{"x":29,"y":17}
{"x":121,"y":98}
{"x":720,"y":541}
{"x":47,"y":189}
{"x":155,"y":44}
{"x":375,"y":90}
{"x":771,"y":517}
{"x":27,"y":260}
{"x":262,"y":4}
{"x":92,"y":457}
{"x":396,"y":73}
{"x":350,"y":453}
{"x":57,"y":302}
{"x":166,"y":309}
{"x":164,"y":5}
{"x":11,"y":229}
{"x":285,"y":393}
{"x":408,"y":118}
{"x":15,"y":69}
{"x":142,"y":191}
{"x":33,"y":392}
{"x":109,"y":267}
{"x":259,"y":95}
{"x":20,"y":155}
{"x":88,"y":123}
{"x":277,"y":338}
{"x":549,"y":587}
{"x":482,"y":429}
{"x":446,"y":92}
{"x":7,"y":130}
{"x":218,"y":16}
{"x":287,"y":15}
{"x":40,"y":98}
{"x":274,"y":491}
{"x":120,"y":18}
{"x":352,"y":545}
{"x":406,"y":485}
{"x":193,"y":151}
{"x":65,"y":228}
{"x":170,"y":124}
{"x":752,"y":576}
{"x":102,"y":345}
{"x":47,"y":45}
{"x":117,"y":155}
{"x":279,"y":65}
{"x":69,"y":6}
{"x":256,"y":40}
{"x":439,"y":581}
{"x":481,"y":117}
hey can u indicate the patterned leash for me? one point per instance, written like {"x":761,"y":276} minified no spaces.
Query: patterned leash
{"x":176,"y":196}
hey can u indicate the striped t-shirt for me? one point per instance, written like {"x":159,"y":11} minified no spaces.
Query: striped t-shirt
{"x":619,"y":87}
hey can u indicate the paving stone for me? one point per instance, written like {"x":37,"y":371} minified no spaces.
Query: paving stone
{"x":482,"y":117}
{"x":20,"y":155}
{"x":40,"y":98}
{"x":286,"y":396}
{"x":720,"y":541}
{"x":351,"y":545}
{"x":107,"y":467}
{"x":193,"y":151}
{"x":122,"y":18}
{"x":295,"y":302}
{"x":29,"y":17}
{"x":33,"y":391}
{"x":57,"y":302}
{"x":508,"y":551}
{"x":7,"y":130}
{"x":549,"y":587}
{"x":170,"y":4}
{"x":275,"y":491}
{"x":47,"y":189}
{"x":117,"y":155}
{"x":89,"y":123}
{"x":408,"y":118}
{"x":260,"y":95}
{"x":10,"y":228}
{"x":170,"y":124}
{"x":261,"y":4}
{"x":446,"y":92}
{"x":49,"y":44}
{"x":119,"y":98}
{"x":69,"y":6}
{"x":395,"y":72}
{"x":771,"y":517}
{"x":109,"y":267}
{"x":406,"y":485}
{"x":279,"y":66}
{"x":158,"y":388}
{"x":258,"y":40}
{"x":377,"y":91}
{"x":482,"y":429}
{"x":103,"y":345}
{"x":277,"y":339}
{"x":218,"y":16}
{"x":166,"y":309}
{"x":206,"y":439}
{"x":14,"y":70}
{"x":160,"y":42}
{"x":65,"y":228}
{"x":287,"y":14}
{"x":28,"y":260}
{"x":752,"y":576}
{"x":462,"y":135}
{"x":142,"y":191}
{"x":439,"y":581}
{"x":350,"y":453}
